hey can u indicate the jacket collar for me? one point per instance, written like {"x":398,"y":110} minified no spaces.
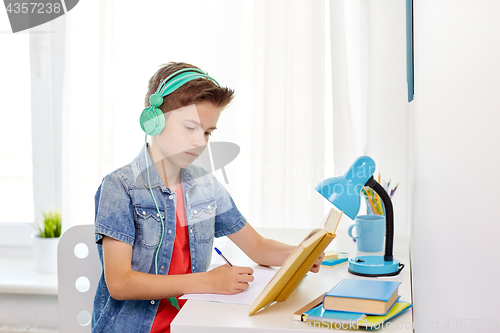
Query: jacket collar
{"x":141,"y":174}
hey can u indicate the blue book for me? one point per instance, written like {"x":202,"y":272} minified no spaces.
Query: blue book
{"x":318,"y":313}
{"x":363,"y":296}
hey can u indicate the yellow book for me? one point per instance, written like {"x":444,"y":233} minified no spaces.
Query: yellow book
{"x":377,"y":321}
{"x":298,"y":263}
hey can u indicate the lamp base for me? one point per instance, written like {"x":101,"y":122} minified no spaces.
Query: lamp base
{"x":373,"y":266}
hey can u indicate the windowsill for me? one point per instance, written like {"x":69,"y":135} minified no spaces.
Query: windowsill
{"x":19,"y":275}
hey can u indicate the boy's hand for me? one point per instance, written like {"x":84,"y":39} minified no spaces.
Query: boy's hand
{"x":229,"y":280}
{"x":317,"y":263}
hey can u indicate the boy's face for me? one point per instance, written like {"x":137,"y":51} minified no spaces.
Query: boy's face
{"x":186,"y":133}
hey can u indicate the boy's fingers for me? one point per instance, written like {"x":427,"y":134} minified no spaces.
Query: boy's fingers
{"x":246,"y":278}
{"x":244,"y":270}
{"x":243,"y":285}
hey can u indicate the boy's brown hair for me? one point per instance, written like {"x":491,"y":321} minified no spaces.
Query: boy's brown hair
{"x":198,"y":90}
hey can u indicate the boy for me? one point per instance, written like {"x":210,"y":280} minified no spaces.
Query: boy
{"x":155,"y":225}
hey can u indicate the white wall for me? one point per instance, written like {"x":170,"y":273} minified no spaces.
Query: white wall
{"x":456,"y":156}
{"x":387,"y":114}
{"x":369,"y":96}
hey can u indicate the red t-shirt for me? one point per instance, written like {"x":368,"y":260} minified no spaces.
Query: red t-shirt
{"x":179,"y":264}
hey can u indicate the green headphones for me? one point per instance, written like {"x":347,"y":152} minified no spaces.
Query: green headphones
{"x":152,"y":119}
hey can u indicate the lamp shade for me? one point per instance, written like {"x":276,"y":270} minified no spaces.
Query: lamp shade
{"x":344,"y":192}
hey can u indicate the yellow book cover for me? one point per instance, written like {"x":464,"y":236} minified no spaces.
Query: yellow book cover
{"x":376,"y":321}
{"x":298,"y":263}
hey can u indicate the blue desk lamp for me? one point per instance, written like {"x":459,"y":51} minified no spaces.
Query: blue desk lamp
{"x":344,"y":193}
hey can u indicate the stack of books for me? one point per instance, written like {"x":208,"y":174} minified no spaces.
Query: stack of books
{"x":355,"y":303}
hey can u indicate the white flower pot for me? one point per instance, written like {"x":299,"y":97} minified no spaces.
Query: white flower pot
{"x":45,"y":254}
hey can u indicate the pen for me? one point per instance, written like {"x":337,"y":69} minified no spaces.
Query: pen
{"x":222,"y":256}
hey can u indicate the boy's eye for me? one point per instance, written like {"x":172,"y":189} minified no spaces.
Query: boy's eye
{"x":208,"y":133}
{"x":190,"y":128}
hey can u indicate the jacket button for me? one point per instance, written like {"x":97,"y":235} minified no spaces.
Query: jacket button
{"x":153,"y":302}
{"x":170,"y":231}
{"x":171,"y":197}
{"x":162,"y":267}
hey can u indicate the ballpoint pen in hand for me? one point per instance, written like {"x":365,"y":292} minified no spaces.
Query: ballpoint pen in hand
{"x":222,"y":256}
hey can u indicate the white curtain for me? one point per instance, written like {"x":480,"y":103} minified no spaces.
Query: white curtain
{"x":349,"y":56}
{"x":317,"y":83}
{"x":272,"y":53}
{"x":369,"y":101}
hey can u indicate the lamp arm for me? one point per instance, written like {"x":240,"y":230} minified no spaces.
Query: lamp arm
{"x":389,"y":216}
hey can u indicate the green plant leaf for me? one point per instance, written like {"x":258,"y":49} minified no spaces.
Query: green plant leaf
{"x":51,"y":226}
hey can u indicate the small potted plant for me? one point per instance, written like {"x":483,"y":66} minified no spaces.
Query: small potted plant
{"x":46,"y":241}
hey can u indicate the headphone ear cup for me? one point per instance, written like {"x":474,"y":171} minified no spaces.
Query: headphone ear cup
{"x":152,"y":121}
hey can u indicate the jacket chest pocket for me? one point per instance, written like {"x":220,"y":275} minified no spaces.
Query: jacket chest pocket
{"x":148,"y":226}
{"x":202,"y":215}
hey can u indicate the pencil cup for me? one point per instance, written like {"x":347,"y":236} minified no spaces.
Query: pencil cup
{"x":370,"y":232}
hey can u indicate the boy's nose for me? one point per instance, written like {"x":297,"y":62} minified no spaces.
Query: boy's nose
{"x":199,"y":140}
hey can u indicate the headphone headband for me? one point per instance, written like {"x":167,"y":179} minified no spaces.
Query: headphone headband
{"x":152,"y":120}
{"x":198,"y":73}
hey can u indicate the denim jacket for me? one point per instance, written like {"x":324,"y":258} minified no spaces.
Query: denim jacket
{"x":125,"y":211}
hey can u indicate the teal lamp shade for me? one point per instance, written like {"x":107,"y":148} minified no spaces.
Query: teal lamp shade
{"x":345,"y":192}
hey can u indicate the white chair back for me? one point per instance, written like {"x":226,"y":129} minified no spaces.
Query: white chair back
{"x":78,"y":273}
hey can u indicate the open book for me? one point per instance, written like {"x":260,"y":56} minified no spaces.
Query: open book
{"x":298,"y":263}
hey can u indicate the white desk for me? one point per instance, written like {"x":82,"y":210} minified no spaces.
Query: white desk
{"x":211,"y":317}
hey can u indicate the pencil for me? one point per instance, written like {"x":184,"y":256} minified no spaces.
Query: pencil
{"x":368,"y":202}
{"x":394,"y":190}
{"x":373,"y":205}
{"x":379,"y":205}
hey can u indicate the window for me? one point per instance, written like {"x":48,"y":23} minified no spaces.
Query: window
{"x":16,"y":170}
